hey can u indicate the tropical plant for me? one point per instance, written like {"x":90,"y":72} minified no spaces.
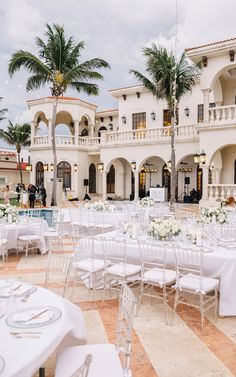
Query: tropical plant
{"x":17,"y":135}
{"x":168,"y":78}
{"x":2,"y":112}
{"x":58,"y":65}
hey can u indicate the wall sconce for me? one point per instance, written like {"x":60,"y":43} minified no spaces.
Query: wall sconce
{"x":110,"y":118}
{"x":203,"y":158}
{"x":153,"y":115}
{"x":124,"y":97}
{"x":45,"y":167}
{"x":138,"y":94}
{"x":169,"y":165}
{"x":133,"y":165}
{"x":101,"y":119}
{"x":28,"y":167}
{"x":75,"y":167}
{"x":231,"y":55}
{"x":110,"y":126}
{"x":204,"y":61}
{"x":100,"y":166}
{"x":123,"y":118}
{"x":196,"y":158}
{"x":212,"y":165}
{"x":186,"y":110}
{"x":51,"y":167}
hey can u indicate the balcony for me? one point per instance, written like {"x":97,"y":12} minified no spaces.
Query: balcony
{"x":220,"y":192}
{"x":222,"y":114}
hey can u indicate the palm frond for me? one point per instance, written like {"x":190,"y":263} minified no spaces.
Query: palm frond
{"x":88,"y":88}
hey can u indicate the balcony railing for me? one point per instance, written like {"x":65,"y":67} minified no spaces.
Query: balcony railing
{"x":89,"y":142}
{"x":222,"y":114}
{"x":221,"y":191}
{"x":65,"y":140}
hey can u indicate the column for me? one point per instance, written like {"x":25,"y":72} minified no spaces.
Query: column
{"x":217,"y":175}
{"x":206,"y":101}
{"x":49,"y":131}
{"x":76,"y":123}
{"x":92,"y":130}
{"x":33,"y":125}
{"x":136,"y":186}
{"x":205,"y":172}
{"x":104,"y":185}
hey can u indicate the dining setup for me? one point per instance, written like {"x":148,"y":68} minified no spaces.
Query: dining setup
{"x":134,"y":249}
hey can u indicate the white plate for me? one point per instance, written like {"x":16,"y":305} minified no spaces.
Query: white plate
{"x":2,"y":364}
{"x":22,"y":318}
{"x":17,"y":289}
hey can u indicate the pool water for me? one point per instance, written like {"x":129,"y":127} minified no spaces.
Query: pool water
{"x":46,"y":214}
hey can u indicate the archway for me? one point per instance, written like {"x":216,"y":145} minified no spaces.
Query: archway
{"x":189,"y":180}
{"x":39,"y":173}
{"x":150,"y":174}
{"x":111,"y":180}
{"x":64,"y":124}
{"x":64,"y":172}
{"x":103,"y":128}
{"x":84,"y":132}
{"x":92,"y":179}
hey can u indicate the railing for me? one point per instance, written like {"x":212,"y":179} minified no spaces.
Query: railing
{"x":221,"y":191}
{"x":89,"y":142}
{"x":65,"y":140}
{"x":222,"y":114}
{"x":40,"y":140}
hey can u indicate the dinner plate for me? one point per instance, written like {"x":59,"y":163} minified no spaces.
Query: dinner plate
{"x":2,"y":364}
{"x":16,"y":289}
{"x":33,"y":317}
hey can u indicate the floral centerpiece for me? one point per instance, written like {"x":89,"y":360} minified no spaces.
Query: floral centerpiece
{"x":214,"y":214}
{"x":87,"y":205}
{"x":103,"y":205}
{"x":191,"y":235}
{"x":131,"y":230}
{"x":8,"y":212}
{"x":164,"y":229}
{"x":147,"y":202}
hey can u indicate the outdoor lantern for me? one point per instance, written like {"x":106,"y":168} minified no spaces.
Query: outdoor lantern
{"x":203,"y":158}
{"x":45,"y":167}
{"x":100,"y":166}
{"x":186,"y":110}
{"x":153,"y":115}
{"x":133,"y":165}
{"x":51,"y":167}
{"x":123,"y":118}
{"x":110,"y":126}
{"x":75,"y":167}
{"x":28,"y":167}
{"x":169,"y":164}
{"x":196,"y":158}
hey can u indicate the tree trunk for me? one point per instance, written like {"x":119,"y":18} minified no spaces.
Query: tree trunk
{"x":173,"y":169}
{"x":20,"y":170}
{"x":54,"y":184}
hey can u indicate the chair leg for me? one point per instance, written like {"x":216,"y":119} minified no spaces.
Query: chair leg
{"x":140,"y":297}
{"x":216,"y":305}
{"x":104,"y":288}
{"x":165,"y":304}
{"x":202,"y":312}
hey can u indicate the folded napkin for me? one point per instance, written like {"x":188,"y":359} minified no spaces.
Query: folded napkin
{"x":27,"y":317}
{"x":17,"y":289}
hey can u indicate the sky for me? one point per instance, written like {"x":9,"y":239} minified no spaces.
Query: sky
{"x":115,"y":30}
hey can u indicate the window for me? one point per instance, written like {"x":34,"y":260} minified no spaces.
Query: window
{"x":167,"y":117}
{"x":64,"y":172}
{"x":39,"y":171}
{"x":138,"y":121}
{"x":200,"y":111}
{"x":92,"y":179}
{"x":84,"y":132}
{"x":3,"y":181}
{"x":111,"y":180}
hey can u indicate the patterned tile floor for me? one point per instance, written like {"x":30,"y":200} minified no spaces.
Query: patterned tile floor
{"x":158,"y":350}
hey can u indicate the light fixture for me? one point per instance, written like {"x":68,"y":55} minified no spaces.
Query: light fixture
{"x":169,"y":164}
{"x":212,"y":165}
{"x":133,"y":165}
{"x":45,"y":167}
{"x":124,"y":97}
{"x":196,"y":158}
{"x":203,"y":158}
{"x":123,"y":118}
{"x":110,"y":126}
{"x":153,"y":115}
{"x":28,"y":167}
{"x":100,"y":166}
{"x":51,"y":167}
{"x":75,"y":167}
{"x":186,"y":110}
{"x":101,"y":119}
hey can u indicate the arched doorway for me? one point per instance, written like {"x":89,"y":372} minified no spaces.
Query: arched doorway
{"x":92,"y":179}
{"x":64,"y":172}
{"x":166,"y":179}
{"x":101,"y":129}
{"x":39,"y":171}
{"x":111,"y":180}
{"x":84,"y":132}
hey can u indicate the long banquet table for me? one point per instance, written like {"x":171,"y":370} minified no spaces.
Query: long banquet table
{"x":23,"y":357}
{"x":220,"y":263}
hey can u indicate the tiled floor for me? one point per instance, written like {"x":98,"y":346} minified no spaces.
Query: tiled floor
{"x":158,"y":350}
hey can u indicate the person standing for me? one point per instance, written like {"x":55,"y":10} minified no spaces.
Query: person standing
{"x":6,"y":194}
{"x":43,"y":194}
{"x":32,"y":196}
{"x":18,"y":190}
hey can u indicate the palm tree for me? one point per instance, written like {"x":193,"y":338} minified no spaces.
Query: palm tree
{"x":58,"y":65}
{"x":19,"y":136}
{"x":2,"y":112}
{"x":169,"y":79}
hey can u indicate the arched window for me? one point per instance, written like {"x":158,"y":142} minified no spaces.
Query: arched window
{"x":101,"y":129}
{"x":166,"y":179}
{"x":111,"y":180}
{"x":92,"y":179}
{"x":39,"y":178}
{"x":64,"y":172}
{"x":84,"y":132}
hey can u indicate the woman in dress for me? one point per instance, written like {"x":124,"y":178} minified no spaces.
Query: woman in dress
{"x":6,"y":194}
{"x":230,"y":202}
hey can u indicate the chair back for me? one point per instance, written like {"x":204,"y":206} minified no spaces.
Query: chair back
{"x":58,"y":264}
{"x":154,"y":255}
{"x":84,"y":249}
{"x":114,"y":250}
{"x":225,"y":232}
{"x":126,"y":314}
{"x":54,"y":219}
{"x":77,"y":232}
{"x":83,"y":370}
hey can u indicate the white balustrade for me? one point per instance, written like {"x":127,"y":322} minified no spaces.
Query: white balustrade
{"x":65,"y":140}
{"x":89,"y":142}
{"x":221,"y":191}
{"x":40,"y":140}
{"x":222,"y":114}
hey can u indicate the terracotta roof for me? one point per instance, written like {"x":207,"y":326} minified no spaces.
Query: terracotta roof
{"x":210,"y":44}
{"x":7,"y":153}
{"x":63,"y":98}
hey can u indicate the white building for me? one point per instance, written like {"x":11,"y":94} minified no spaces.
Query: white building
{"x":138,"y":132}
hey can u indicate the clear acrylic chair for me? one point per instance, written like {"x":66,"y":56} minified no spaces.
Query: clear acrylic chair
{"x":58,"y":271}
{"x":88,"y":268}
{"x":30,"y":241}
{"x":192,"y":287}
{"x":156,"y":279}
{"x":118,"y":268}
{"x":3,"y":243}
{"x":55,"y":238}
{"x":105,"y":357}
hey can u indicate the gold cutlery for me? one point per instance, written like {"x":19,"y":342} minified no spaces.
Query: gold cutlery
{"x":1,"y":316}
{"x":38,"y":315}
{"x":26,"y":332}
{"x":20,"y":336}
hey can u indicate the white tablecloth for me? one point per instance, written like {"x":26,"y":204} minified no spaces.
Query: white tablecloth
{"x":218,"y":264}
{"x":15,"y":229}
{"x":23,"y":357}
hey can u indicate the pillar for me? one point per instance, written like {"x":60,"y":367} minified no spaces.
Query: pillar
{"x":33,"y":126}
{"x":217,"y":175}
{"x":76,"y":123}
{"x":49,"y":131}
{"x":136,"y":185}
{"x":92,"y":130}
{"x":206,"y":102}
{"x":104,"y":185}
{"x":205,"y":173}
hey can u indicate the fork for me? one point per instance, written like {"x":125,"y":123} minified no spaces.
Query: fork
{"x":20,"y":336}
{"x":27,"y":296}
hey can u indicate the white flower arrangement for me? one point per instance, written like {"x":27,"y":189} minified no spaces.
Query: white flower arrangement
{"x":7,"y":210}
{"x":164,"y":229}
{"x":191,"y":235}
{"x":147,"y":202}
{"x":103,"y":205}
{"x":126,"y":228}
{"x":87,"y":205}
{"x":214,"y":215}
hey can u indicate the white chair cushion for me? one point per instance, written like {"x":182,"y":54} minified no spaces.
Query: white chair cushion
{"x":159,"y":276}
{"x":90,"y":265}
{"x":120,"y":269}
{"x":29,"y":237}
{"x":51,"y":235}
{"x":3,"y":241}
{"x":105,"y":361}
{"x":191,"y":282}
